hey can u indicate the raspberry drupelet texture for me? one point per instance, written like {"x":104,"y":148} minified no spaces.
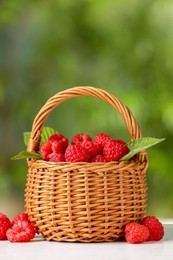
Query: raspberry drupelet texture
{"x":5,"y":224}
{"x":76,"y":153}
{"x":56,"y":157}
{"x":21,"y":231}
{"x":102,"y":138}
{"x":20,"y":216}
{"x":45,"y":150}
{"x":62,"y":140}
{"x":136,"y":233}
{"x":80,"y":138}
{"x":99,"y":158}
{"x":155,"y":227}
{"x":114,"y":150}
{"x":56,"y":144}
{"x":93,"y":148}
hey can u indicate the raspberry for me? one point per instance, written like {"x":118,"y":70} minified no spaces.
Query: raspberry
{"x":93,"y":148}
{"x":45,"y":150}
{"x":56,"y":157}
{"x":5,"y":224}
{"x":57,"y":146}
{"x":136,"y":233}
{"x":62,"y":140}
{"x":76,"y":153}
{"x":155,"y":227}
{"x":21,"y":231}
{"x":50,"y":147}
{"x":80,"y":138}
{"x":99,"y":158}
{"x":102,"y":138}
{"x":20,"y":216}
{"x":114,"y":150}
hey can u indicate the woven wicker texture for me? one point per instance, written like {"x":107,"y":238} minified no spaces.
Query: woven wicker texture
{"x":86,"y":202}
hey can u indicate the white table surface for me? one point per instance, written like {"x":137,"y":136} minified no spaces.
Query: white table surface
{"x":45,"y":250}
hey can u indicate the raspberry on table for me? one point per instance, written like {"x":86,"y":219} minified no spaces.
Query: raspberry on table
{"x":136,"y":233}
{"x":56,"y":157}
{"x":99,"y":158}
{"x":102,"y":138}
{"x":80,"y":138}
{"x":20,"y":216}
{"x":21,"y":231}
{"x":93,"y":148}
{"x":76,"y":153}
{"x":155,"y":227}
{"x":114,"y":150}
{"x":5,"y":224}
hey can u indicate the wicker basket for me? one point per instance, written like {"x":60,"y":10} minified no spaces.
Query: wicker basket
{"x":86,"y":202}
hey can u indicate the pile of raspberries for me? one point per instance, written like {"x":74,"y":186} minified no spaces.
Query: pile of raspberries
{"x":103,"y":148}
{"x":17,"y":230}
{"x":21,"y":230}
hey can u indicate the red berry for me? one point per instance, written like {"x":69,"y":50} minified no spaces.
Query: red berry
{"x":21,"y":231}
{"x":155,"y":227}
{"x":99,"y":158}
{"x":20,"y":216}
{"x":51,"y":147}
{"x":63,"y":141}
{"x":136,"y":233}
{"x":76,"y":153}
{"x":57,"y":146}
{"x":5,"y":224}
{"x":93,"y":148}
{"x":102,"y":138}
{"x":114,"y":150}
{"x":56,"y":157}
{"x":45,"y":150}
{"x":80,"y":138}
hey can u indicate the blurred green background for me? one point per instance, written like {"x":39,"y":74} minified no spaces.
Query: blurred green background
{"x":124,"y":47}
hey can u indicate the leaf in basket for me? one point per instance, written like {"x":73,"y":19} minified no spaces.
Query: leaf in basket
{"x":25,"y":154}
{"x":46,"y":133}
{"x":141,"y":144}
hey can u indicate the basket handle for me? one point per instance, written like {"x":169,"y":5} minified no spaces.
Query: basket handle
{"x":38,"y":123}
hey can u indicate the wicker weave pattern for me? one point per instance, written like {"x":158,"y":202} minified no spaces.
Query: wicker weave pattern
{"x":87,"y":202}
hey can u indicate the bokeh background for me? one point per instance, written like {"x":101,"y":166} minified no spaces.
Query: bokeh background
{"x":124,"y":47}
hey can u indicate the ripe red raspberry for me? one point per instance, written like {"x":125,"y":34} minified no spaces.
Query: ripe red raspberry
{"x":50,"y":147}
{"x":62,"y":140}
{"x":99,"y":158}
{"x":56,"y":157}
{"x":155,"y":227}
{"x":80,"y":138}
{"x":21,"y":231}
{"x":76,"y":153}
{"x":114,"y":150}
{"x":136,"y":233}
{"x":45,"y":150}
{"x":102,"y":138}
{"x":93,"y":148}
{"x":5,"y":224}
{"x":20,"y":216}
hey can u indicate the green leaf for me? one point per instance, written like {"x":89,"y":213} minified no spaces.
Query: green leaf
{"x":25,"y":154}
{"x":26,"y":136}
{"x":46,"y":133}
{"x":141,"y":144}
